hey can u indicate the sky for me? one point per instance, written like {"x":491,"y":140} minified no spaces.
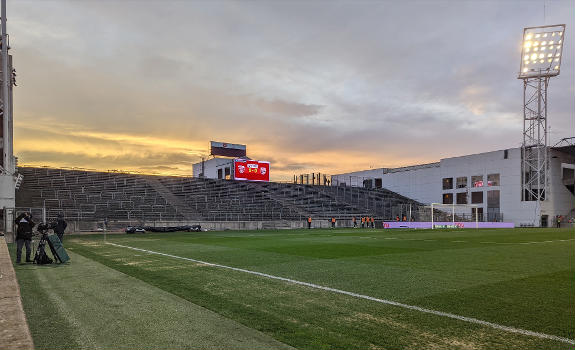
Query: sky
{"x":311,"y":86}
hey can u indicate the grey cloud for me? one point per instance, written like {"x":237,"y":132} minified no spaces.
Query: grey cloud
{"x":287,"y":109}
{"x":412,"y":79}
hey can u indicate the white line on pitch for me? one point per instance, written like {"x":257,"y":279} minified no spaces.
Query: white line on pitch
{"x":533,"y":242}
{"x":367,"y":297}
{"x":557,"y":240}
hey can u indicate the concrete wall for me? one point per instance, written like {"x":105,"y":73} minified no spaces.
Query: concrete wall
{"x":559,"y":200}
{"x":8,"y":200}
{"x":417,"y":182}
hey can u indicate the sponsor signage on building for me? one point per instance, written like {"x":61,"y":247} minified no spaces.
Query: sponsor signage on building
{"x":251,"y":170}
{"x":227,"y":149}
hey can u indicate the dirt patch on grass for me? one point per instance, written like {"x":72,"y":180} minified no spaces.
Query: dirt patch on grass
{"x":92,"y":244}
{"x":388,"y":321}
{"x":434,"y":341}
{"x":171,"y":267}
{"x":138,"y":263}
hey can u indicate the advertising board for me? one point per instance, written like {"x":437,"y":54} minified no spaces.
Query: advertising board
{"x":227,"y":149}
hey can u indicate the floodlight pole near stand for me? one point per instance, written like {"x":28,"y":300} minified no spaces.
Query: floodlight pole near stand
{"x":541,"y":54}
{"x":6,"y":100}
{"x":534,"y":150}
{"x":8,"y":177}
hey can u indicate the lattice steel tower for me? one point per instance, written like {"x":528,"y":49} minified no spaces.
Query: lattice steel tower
{"x":540,"y":60}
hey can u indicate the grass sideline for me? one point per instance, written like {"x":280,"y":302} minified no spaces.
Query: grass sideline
{"x":86,"y":305}
{"x":521,"y":278}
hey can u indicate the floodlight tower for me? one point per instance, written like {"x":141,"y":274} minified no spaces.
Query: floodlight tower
{"x":8,"y":176}
{"x":540,"y":60}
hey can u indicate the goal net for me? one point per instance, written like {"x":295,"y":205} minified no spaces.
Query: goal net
{"x":452,"y":215}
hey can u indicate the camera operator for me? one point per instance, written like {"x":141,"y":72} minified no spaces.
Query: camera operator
{"x":59,"y":227}
{"x":24,"y":235}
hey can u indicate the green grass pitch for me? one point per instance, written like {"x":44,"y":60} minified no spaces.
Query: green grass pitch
{"x":115,"y":297}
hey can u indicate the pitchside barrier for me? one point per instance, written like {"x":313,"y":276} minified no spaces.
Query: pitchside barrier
{"x":120,"y":226}
{"x":447,"y":224}
{"x":117,"y":226}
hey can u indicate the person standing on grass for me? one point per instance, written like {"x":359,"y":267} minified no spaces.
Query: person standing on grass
{"x":372,"y":222}
{"x":24,"y":235}
{"x":558,"y":221}
{"x":362,"y":221}
{"x":354,"y":219}
{"x":332,"y":222}
{"x":309,"y":222}
{"x":60,"y":227}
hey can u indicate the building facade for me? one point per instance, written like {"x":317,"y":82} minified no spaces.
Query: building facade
{"x":491,"y":181}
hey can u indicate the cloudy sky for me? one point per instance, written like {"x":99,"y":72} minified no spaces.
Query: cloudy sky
{"x":327,"y":86}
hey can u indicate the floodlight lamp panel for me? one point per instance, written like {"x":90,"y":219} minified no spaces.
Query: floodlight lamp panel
{"x":540,"y":53}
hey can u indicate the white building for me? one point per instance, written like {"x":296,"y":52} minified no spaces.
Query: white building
{"x":214,"y":168}
{"x":491,"y":180}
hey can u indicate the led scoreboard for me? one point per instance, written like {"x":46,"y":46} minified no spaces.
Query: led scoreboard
{"x":251,"y":170}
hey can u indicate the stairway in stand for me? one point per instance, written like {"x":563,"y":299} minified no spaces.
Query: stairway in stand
{"x":181,"y":207}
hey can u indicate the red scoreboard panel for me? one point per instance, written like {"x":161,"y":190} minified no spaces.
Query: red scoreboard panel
{"x":251,"y":170}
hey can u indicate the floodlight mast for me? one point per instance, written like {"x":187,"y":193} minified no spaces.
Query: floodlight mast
{"x":8,"y":166}
{"x":8,"y":176}
{"x":540,"y":60}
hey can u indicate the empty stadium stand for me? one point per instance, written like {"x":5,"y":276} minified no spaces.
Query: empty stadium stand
{"x":82,"y":195}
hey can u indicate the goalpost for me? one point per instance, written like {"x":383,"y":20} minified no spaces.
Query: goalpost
{"x":463,"y":212}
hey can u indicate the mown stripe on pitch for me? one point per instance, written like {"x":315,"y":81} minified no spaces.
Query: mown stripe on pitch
{"x":367,"y":297}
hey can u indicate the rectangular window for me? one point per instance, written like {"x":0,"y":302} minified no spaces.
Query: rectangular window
{"x":461,"y":182}
{"x":506,"y":154}
{"x":448,"y":198}
{"x":461,"y":198}
{"x":493,"y":199}
{"x":448,"y":183}
{"x":493,"y":180}
{"x":479,"y":212}
{"x":477,"y":181}
{"x":476,"y":197}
